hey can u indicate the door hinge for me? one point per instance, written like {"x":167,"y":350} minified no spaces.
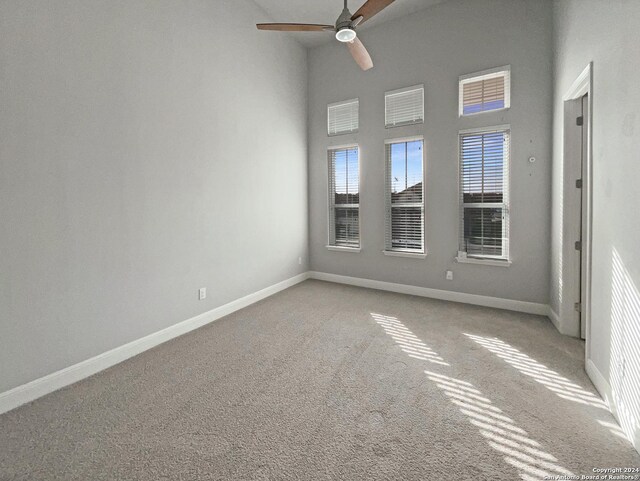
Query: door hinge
{"x":579,"y":120}
{"x":579,"y":184}
{"x":578,"y":307}
{"x":578,"y":245}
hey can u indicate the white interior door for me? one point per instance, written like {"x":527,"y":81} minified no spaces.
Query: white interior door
{"x":583,"y":214}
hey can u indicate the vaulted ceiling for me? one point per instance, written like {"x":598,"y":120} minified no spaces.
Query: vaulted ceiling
{"x":327,"y":11}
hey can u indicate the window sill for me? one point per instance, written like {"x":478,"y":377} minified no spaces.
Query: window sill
{"x":343,"y":249}
{"x":346,"y":132}
{"x":415,"y":255}
{"x":462,"y":116}
{"x":404,"y":124}
{"x":484,"y":262}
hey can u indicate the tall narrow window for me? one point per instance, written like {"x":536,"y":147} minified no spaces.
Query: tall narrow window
{"x":405,"y":196}
{"x":404,"y":106}
{"x":485,"y":91}
{"x":484,"y":193}
{"x":344,"y":197}
{"x":343,"y":117}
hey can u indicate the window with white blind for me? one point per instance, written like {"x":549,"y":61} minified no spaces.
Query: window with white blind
{"x":344,"y":197}
{"x":404,"y":195}
{"x":404,"y":106}
{"x":342,"y":117}
{"x":485,"y":91}
{"x":484,"y":194}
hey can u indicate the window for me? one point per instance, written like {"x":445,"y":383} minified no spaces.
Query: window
{"x":485,"y":91}
{"x":404,"y":106}
{"x":484,"y":194}
{"x":344,"y":197}
{"x":342,"y":117}
{"x":404,"y":196}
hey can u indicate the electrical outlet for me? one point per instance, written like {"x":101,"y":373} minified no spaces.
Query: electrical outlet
{"x":202,"y":293}
{"x":300,"y":260}
{"x":449,"y":275}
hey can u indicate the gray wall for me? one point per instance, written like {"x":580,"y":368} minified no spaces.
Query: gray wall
{"x":149,"y":148}
{"x":434,"y":47}
{"x":607,"y":34}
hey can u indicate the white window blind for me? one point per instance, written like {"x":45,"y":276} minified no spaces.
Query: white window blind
{"x":344,"y":197}
{"x":404,"y":106}
{"x":404,"y":196}
{"x":342,"y":117}
{"x":484,"y":193}
{"x":485,"y":91}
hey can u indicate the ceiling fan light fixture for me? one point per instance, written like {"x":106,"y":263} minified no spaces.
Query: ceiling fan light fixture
{"x":346,"y":35}
{"x":344,"y":28}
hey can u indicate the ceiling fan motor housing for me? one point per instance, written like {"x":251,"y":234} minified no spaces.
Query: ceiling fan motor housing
{"x":344,"y":20}
{"x":344,"y":23}
{"x":344,"y":28}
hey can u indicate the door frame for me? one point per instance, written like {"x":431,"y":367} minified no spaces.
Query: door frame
{"x":583,"y":85}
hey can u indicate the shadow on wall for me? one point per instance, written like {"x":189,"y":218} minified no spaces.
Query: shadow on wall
{"x":624,"y":366}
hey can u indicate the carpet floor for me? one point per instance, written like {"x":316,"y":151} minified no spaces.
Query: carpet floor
{"x":330,"y":382}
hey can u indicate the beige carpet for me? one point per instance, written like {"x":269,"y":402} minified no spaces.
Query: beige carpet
{"x":324,"y":381}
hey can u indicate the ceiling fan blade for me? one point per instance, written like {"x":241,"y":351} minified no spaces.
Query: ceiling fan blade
{"x":295,"y":27}
{"x":360,"y":54}
{"x":371,"y":8}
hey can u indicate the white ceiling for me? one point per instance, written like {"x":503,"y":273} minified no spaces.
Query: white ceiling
{"x":327,"y":11}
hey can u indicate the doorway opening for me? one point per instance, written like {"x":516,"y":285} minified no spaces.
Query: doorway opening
{"x":577,"y":188}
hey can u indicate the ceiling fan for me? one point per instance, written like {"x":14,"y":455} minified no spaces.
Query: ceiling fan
{"x":345,"y":28}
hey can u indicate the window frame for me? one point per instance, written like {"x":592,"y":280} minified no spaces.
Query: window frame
{"x":390,"y":93}
{"x":389,"y":250}
{"x":331,"y":242}
{"x":505,"y":70}
{"x":355,"y":100}
{"x":463,"y":256}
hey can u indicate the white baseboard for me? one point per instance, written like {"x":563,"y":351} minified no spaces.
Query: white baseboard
{"x":486,"y":301}
{"x":604,"y":388}
{"x":571,"y":330}
{"x":600,"y":383}
{"x":555,"y":319}
{"x":59,"y":379}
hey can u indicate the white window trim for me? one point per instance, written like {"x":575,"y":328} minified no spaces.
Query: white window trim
{"x":404,"y":89}
{"x":406,"y":139}
{"x":343,"y":248}
{"x":391,"y":93}
{"x":400,"y":252}
{"x":462,"y":256}
{"x":485,"y":75}
{"x":490,"y":128}
{"x":330,"y":203}
{"x":337,"y":104}
{"x":485,"y":261}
